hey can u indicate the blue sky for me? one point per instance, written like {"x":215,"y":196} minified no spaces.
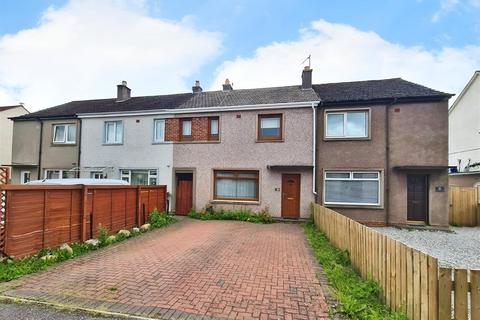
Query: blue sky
{"x":239,"y":28}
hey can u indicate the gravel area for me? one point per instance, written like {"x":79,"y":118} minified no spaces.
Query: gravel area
{"x":458,"y":249}
{"x":15,"y":311}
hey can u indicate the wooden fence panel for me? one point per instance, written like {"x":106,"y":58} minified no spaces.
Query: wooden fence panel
{"x":411,"y":281}
{"x":463,"y":206}
{"x":47,"y":216}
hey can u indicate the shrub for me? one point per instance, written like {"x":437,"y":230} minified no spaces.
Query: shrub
{"x":102,"y":235}
{"x":242,"y":214}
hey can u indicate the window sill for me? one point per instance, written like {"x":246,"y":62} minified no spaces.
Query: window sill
{"x":347,"y":139}
{"x":352,"y":206}
{"x":267,"y":141}
{"x":241,"y":202}
{"x":163,"y":142}
{"x":63,"y":144}
{"x":112,"y":144}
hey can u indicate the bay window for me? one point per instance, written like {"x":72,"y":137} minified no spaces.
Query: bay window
{"x":346,"y":124}
{"x":235,"y":185}
{"x":360,"y":188}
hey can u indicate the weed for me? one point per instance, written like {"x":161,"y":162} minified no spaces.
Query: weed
{"x":242,"y":214}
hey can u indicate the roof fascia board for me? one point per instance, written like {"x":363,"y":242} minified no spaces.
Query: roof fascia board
{"x":288,"y":105}
{"x":464,"y":91}
{"x":386,"y":100}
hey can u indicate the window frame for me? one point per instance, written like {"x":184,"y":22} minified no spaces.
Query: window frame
{"x":235,"y":177}
{"x":262,"y":138}
{"x":184,"y":137}
{"x":61,"y":172}
{"x":351,"y":173}
{"x":116,"y":122}
{"x":345,"y":113}
{"x":22,"y":176}
{"x":213,"y":137}
{"x":155,"y":130}
{"x":65,"y":133}
{"x":101,"y":175}
{"x":128,"y":175}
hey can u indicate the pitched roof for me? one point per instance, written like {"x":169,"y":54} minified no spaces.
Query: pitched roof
{"x":371,"y":90}
{"x":343,"y":92}
{"x":5,"y":108}
{"x":464,"y":90}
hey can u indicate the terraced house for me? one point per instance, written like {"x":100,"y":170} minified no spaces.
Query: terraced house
{"x":374,"y":150}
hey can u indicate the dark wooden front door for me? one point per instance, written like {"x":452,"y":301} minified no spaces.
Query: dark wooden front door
{"x":417,"y":197}
{"x":183,"y":193}
{"x":290,"y":195}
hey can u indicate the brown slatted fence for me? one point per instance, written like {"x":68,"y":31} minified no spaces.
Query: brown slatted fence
{"x":411,"y":281}
{"x":37,"y":217}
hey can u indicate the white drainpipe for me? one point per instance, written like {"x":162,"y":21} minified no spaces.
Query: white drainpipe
{"x":314,"y":178}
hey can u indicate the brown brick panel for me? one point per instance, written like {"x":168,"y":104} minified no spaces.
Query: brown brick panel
{"x":172,"y":130}
{"x":199,"y":129}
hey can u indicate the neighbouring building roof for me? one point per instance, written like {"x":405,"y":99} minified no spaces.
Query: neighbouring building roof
{"x":375,"y":90}
{"x":344,"y":92}
{"x":5,"y":108}
{"x":464,"y":90}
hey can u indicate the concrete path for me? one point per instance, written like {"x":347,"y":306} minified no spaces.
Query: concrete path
{"x":196,"y":269}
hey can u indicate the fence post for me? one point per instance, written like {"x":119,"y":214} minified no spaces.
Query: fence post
{"x":139,"y":202}
{"x":85,"y":213}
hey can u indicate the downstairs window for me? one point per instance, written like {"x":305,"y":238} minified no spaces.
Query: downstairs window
{"x":235,"y":185}
{"x":360,"y":188}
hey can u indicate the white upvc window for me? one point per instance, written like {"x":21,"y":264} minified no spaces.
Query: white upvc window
{"x":159,"y":130}
{"x":140,"y":176}
{"x":113,"y":132}
{"x":97,"y":175}
{"x":24,"y":177}
{"x":59,"y":174}
{"x":346,"y":124}
{"x":64,"y":133}
{"x":356,"y":188}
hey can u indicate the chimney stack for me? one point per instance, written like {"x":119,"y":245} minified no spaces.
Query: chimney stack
{"x":196,"y":88}
{"x":307,"y":78}
{"x":123,"y":92}
{"x":227,"y":86}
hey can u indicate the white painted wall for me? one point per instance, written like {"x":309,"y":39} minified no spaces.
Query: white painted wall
{"x":464,"y":127}
{"x":137,"y":151}
{"x":6,"y":132}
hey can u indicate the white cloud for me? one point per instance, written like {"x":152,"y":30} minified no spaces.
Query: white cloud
{"x":343,"y":53}
{"x":446,"y":6}
{"x":82,"y":50}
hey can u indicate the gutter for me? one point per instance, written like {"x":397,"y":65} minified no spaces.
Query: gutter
{"x":314,"y":150}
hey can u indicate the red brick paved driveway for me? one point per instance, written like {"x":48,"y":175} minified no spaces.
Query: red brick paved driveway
{"x":196,"y":269}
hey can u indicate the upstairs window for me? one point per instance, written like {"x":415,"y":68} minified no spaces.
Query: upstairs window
{"x":186,"y":127}
{"x":113,"y":132}
{"x":348,"y":124}
{"x":159,"y":130}
{"x":64,"y":133}
{"x":213,"y":128}
{"x":270,"y":127}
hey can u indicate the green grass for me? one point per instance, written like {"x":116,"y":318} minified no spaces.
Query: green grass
{"x":359,"y":298}
{"x":12,"y":268}
{"x":240,"y":215}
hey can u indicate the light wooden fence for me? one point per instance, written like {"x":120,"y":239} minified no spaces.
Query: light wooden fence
{"x":464,"y":206}
{"x":411,"y":281}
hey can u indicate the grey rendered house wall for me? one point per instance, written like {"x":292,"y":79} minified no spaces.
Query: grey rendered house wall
{"x":136,"y":152}
{"x":25,"y":148}
{"x":239,"y":149}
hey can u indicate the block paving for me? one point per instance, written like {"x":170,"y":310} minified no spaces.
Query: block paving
{"x":193,"y":269}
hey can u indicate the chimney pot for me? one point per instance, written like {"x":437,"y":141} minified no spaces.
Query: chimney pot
{"x":227,"y":86}
{"x":307,"y":78}
{"x":123,"y":92}
{"x":197,"y":88}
